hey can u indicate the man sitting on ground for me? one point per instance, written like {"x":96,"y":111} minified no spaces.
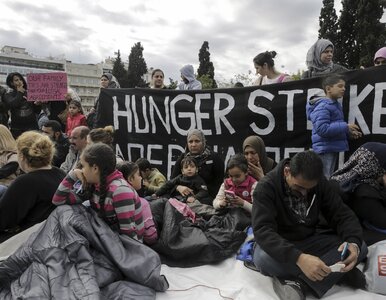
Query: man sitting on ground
{"x":53,"y":129}
{"x":287,"y":203}
{"x":78,"y":141}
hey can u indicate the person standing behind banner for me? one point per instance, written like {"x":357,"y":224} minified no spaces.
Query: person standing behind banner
{"x":380,"y":57}
{"x":157,"y":79}
{"x":23,"y":112}
{"x":259,"y":163}
{"x":189,"y":79}
{"x":108,"y":81}
{"x":27,"y":200}
{"x":3,"y":108}
{"x":319,"y":60}
{"x":265,"y":67}
{"x":330,"y":132}
{"x":210,"y":164}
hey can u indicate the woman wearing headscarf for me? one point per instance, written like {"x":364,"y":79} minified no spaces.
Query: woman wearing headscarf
{"x":210,"y":164}
{"x":259,"y":163}
{"x":319,"y":60}
{"x":363,"y":179}
{"x":108,"y":81}
{"x":23,"y":112}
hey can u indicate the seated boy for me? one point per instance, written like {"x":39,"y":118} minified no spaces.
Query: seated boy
{"x":152,"y":179}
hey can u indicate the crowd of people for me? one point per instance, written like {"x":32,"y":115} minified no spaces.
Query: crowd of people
{"x":67,"y":160}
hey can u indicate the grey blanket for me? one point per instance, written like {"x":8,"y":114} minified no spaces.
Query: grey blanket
{"x":75,"y":255}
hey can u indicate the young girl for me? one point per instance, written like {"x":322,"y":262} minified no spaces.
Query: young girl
{"x":130,"y":172}
{"x":265,"y":67}
{"x":330,"y":132}
{"x":236,"y":191}
{"x":75,"y":116}
{"x":116,"y":202}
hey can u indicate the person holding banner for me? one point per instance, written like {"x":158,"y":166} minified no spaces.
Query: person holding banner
{"x":319,"y":60}
{"x":265,"y":67}
{"x":210,"y":164}
{"x":108,"y":81}
{"x":380,"y":57}
{"x":189,"y":81}
{"x":157,"y":79}
{"x":23,"y":113}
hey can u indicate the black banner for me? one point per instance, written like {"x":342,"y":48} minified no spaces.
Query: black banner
{"x":154,"y":123}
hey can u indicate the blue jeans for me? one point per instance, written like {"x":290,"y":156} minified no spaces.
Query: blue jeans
{"x":324,"y":246}
{"x":329,"y":162}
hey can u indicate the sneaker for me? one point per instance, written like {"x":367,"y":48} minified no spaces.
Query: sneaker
{"x":354,"y":278}
{"x":288,"y":289}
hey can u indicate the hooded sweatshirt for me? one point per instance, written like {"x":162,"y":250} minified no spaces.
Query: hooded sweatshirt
{"x":188,"y":72}
{"x":329,"y":131}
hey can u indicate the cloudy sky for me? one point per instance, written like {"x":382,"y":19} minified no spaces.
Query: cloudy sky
{"x":170,"y":31}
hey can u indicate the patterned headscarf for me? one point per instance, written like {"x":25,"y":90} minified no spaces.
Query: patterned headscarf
{"x":365,"y":165}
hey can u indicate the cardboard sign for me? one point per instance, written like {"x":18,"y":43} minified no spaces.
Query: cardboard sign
{"x":47,"y":86}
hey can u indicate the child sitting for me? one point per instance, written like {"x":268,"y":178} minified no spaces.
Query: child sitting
{"x":152,"y":179}
{"x":130,"y":172}
{"x":110,"y":195}
{"x":236,"y":191}
{"x":189,"y":178}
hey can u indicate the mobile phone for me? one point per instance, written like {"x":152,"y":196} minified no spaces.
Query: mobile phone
{"x":345,"y":252}
{"x":230,"y":195}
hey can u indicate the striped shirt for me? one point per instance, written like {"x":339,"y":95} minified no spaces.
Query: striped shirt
{"x":122,"y":205}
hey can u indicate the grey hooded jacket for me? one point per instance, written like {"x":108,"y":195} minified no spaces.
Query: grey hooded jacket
{"x":188,"y":72}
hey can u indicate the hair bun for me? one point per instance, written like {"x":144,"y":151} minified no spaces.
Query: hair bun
{"x":273,"y":53}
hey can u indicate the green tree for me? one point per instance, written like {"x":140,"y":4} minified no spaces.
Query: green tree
{"x":120,"y":72}
{"x":328,"y":22}
{"x":172,"y":84}
{"x":206,"y":81}
{"x":370,"y":31}
{"x":137,"y":66}
{"x":206,"y":66}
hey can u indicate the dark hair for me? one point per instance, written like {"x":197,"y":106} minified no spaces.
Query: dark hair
{"x":127,"y":168}
{"x":143,"y":164}
{"x":307,"y":164}
{"x":103,"y":157}
{"x":188,"y":160}
{"x":265,"y":58}
{"x":84,"y":131}
{"x":9,"y":80}
{"x":103,"y":135}
{"x":238,"y":84}
{"x":238,"y":161}
{"x":157,"y":70}
{"x":77,"y":104}
{"x":330,"y":80}
{"x":55,"y":125}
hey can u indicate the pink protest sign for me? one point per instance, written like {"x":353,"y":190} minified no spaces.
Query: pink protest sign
{"x":46,"y":86}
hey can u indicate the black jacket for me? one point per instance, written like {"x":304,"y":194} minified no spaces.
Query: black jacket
{"x":62,"y":146}
{"x":196,"y":183}
{"x":211,"y":170}
{"x":275,"y":225}
{"x":23,"y":113}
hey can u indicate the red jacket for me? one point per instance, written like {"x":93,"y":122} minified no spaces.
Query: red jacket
{"x":243,"y":190}
{"x":75,"y":121}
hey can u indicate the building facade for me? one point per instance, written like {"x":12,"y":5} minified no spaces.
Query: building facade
{"x":84,"y":79}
